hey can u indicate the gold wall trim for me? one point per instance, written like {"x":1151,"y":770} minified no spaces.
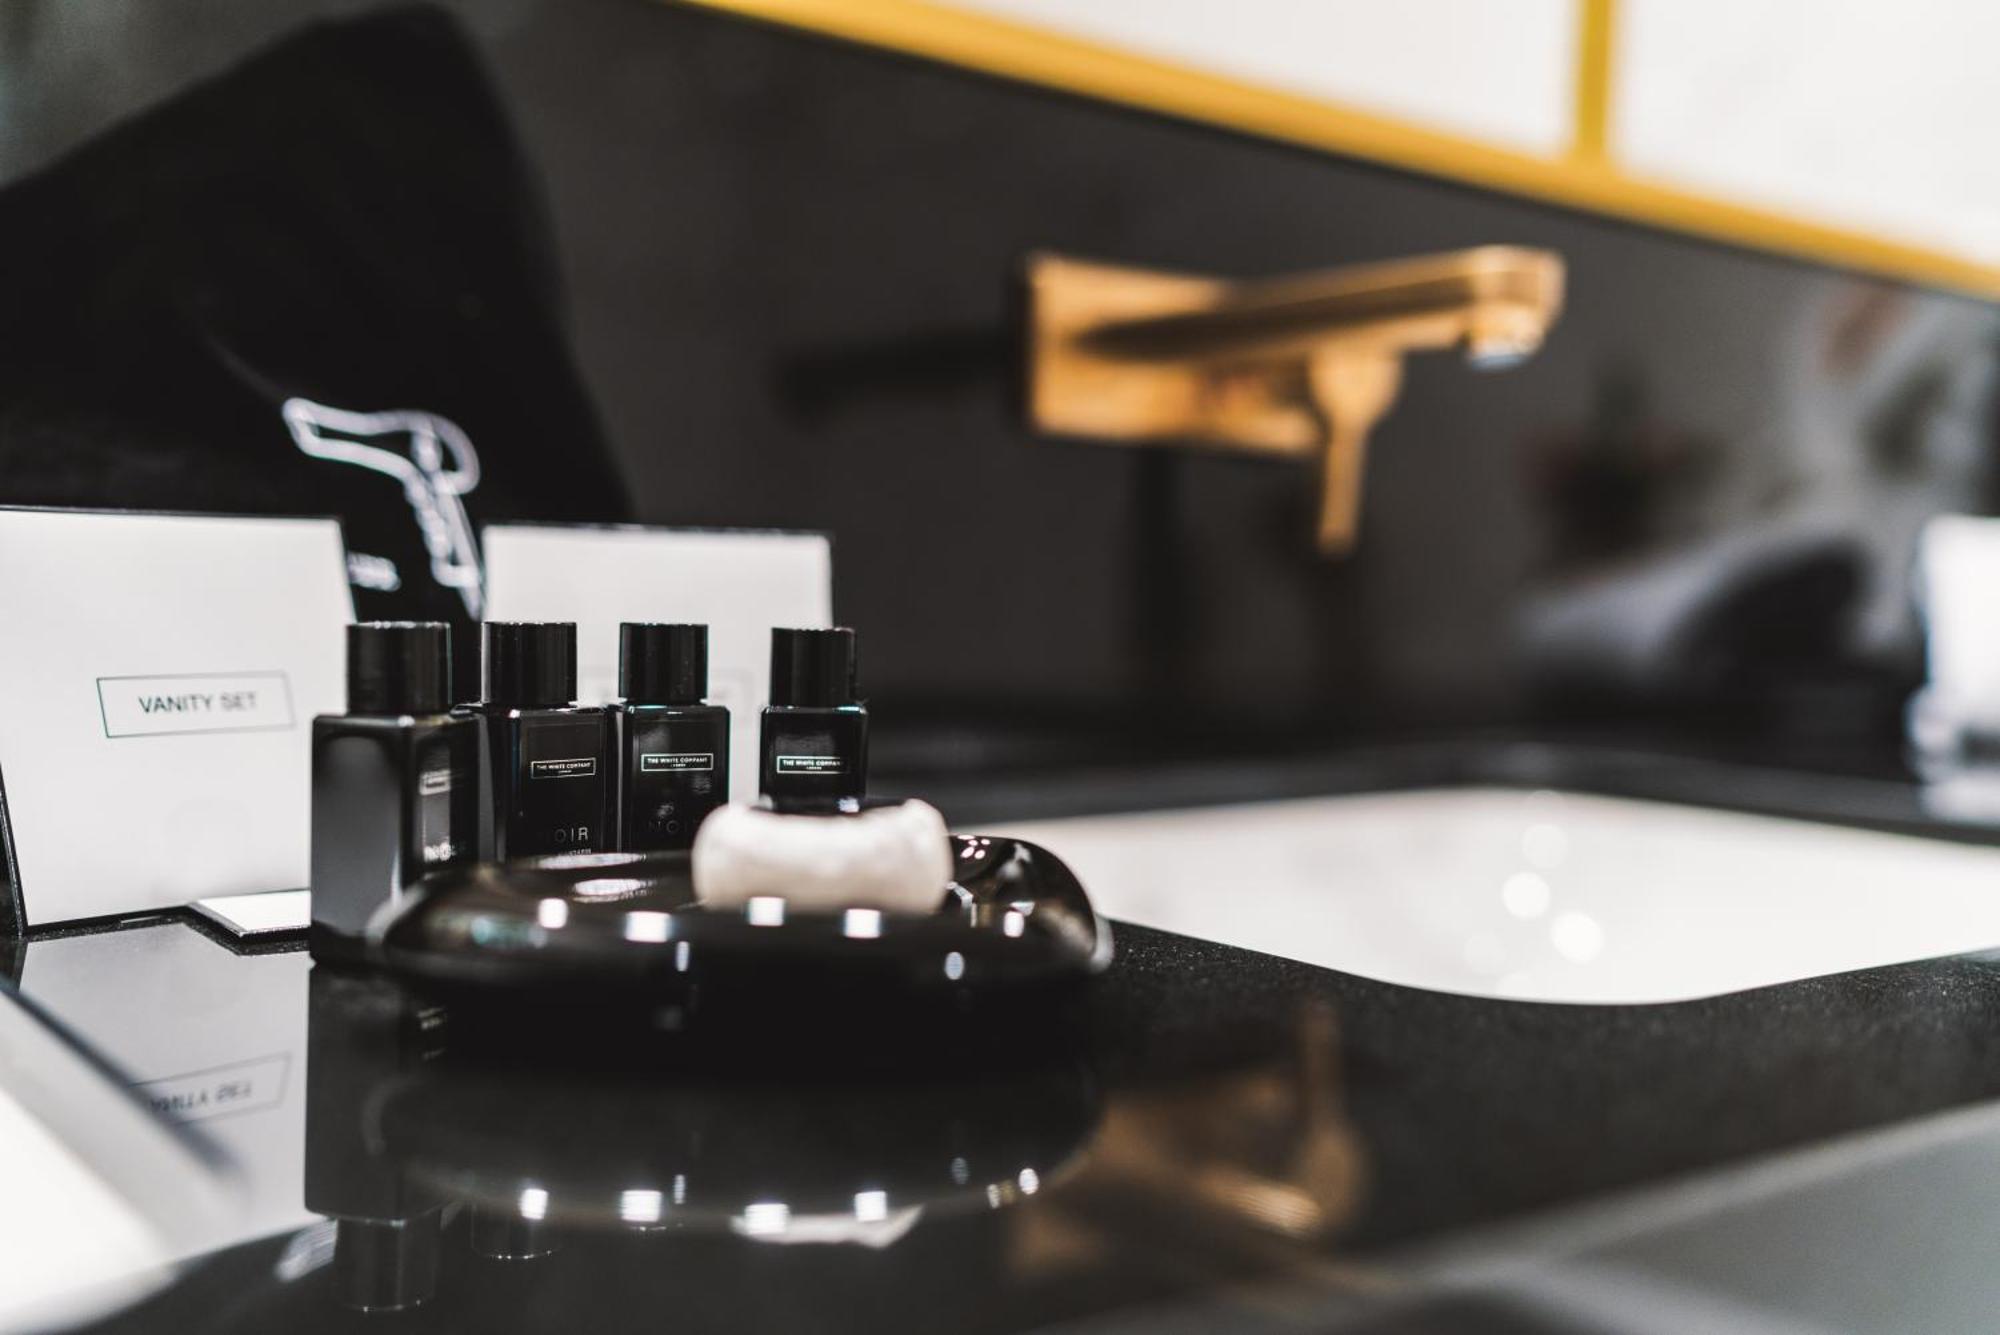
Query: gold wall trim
{"x":1596,"y":44}
{"x":1583,"y":180}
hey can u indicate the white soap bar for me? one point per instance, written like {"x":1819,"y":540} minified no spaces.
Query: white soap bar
{"x":893,"y":858}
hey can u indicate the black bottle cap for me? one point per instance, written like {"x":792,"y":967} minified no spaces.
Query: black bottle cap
{"x":813,"y":667}
{"x":529,"y":663}
{"x":398,"y":667}
{"x":662,"y":664}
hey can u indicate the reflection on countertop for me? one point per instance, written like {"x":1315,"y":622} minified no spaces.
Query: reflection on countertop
{"x":1207,"y":1132}
{"x":208,"y":1037}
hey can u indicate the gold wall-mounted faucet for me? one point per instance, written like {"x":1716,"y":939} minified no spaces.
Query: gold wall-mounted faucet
{"x":1301,"y":366}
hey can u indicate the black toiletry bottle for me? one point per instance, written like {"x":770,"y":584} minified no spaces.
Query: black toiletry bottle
{"x":395,"y":780}
{"x":672,"y":746}
{"x":546,"y":757}
{"x":815,"y":736}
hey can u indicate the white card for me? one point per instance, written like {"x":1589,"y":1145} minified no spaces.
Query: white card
{"x":157,"y":691}
{"x":740,"y":583}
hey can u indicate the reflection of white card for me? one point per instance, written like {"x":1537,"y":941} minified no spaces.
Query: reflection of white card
{"x":156,"y":702}
{"x":228,"y":1055}
{"x":740,"y":584}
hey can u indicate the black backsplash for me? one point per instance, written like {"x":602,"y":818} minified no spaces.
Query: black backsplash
{"x":790,"y":270}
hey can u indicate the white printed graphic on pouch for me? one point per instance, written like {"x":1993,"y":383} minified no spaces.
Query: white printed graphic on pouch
{"x":439,"y":468}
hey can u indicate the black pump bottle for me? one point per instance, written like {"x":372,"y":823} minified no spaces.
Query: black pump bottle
{"x":395,"y":780}
{"x":815,"y":737}
{"x":672,"y":746}
{"x":545,"y":755}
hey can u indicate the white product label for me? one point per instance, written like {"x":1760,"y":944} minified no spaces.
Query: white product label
{"x":809,"y":765}
{"x":182,"y":703}
{"x":675,"y":762}
{"x":579,"y":767}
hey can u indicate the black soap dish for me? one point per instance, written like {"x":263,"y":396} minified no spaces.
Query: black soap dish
{"x":619,"y":924}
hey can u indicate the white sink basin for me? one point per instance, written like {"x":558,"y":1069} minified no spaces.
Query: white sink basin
{"x":1537,"y":896}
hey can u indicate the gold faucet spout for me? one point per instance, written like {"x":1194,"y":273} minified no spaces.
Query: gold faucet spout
{"x":1434,"y":302}
{"x":1302,"y":365}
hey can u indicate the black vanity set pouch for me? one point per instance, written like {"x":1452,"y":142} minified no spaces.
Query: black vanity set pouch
{"x":344,"y":219}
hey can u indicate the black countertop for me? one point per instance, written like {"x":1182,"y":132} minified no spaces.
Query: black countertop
{"x":1207,"y":1136}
